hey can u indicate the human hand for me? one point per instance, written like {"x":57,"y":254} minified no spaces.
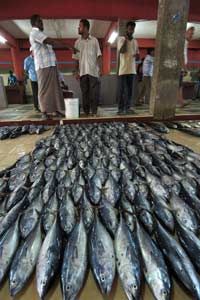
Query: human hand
{"x":77,"y":75}
{"x":75,"y":50}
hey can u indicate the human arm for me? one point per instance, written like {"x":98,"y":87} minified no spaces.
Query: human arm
{"x":137,"y":52}
{"x":76,"y":56}
{"x":41,"y":38}
{"x":99,"y":62}
{"x":57,"y":43}
{"x":99,"y":58}
{"x":76,"y":70}
{"x":123,"y":46}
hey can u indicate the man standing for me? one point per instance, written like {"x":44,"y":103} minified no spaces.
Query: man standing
{"x":88,"y":67}
{"x":147,"y":70}
{"x":49,"y":90}
{"x":12,"y":80}
{"x":128,"y":53}
{"x":188,"y":37}
{"x":29,"y":68}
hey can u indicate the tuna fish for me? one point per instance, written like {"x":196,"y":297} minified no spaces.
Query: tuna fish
{"x":183,"y":213}
{"x":74,"y":264}
{"x":49,"y":258}
{"x":108,"y":216}
{"x":87,"y":212}
{"x":154,"y":267}
{"x":128,"y":261}
{"x":24,"y":261}
{"x":67,"y":214}
{"x":102,"y":256}
{"x":8,"y":246}
{"x":179,"y":261}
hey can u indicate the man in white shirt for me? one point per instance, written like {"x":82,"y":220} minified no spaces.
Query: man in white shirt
{"x":188,"y":37}
{"x":88,"y":67}
{"x":49,"y":91}
{"x":147,"y":70}
{"x":128,"y":53}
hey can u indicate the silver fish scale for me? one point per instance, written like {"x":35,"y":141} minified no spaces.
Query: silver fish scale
{"x":102,"y":256}
{"x":74,"y":262}
{"x":128,"y":262}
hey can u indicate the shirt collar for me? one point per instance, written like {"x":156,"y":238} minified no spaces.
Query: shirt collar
{"x":89,"y":38}
{"x":35,"y":28}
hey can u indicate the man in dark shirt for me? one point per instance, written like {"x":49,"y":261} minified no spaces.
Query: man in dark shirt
{"x":12,"y":80}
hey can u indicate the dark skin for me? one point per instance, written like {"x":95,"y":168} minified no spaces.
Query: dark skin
{"x":128,"y":37}
{"x":84,"y":32}
{"x":50,"y":41}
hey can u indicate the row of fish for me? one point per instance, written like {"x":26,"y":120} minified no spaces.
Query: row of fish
{"x":190,"y":127}
{"x":109,"y":196}
{"x":11,"y":132}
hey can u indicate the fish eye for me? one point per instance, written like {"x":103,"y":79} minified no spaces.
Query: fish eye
{"x":135,"y":286}
{"x":165,"y":292}
{"x":68,"y":288}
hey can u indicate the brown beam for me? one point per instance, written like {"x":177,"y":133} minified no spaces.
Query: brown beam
{"x":129,"y":119}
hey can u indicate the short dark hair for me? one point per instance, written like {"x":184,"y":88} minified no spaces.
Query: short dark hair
{"x":149,"y":50}
{"x":33,"y":19}
{"x":86,"y":23}
{"x":130,"y":23}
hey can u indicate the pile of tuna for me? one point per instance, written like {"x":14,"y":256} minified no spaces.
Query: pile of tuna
{"x":116,"y":198}
{"x":11,"y":132}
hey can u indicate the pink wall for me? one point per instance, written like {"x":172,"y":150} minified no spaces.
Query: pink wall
{"x":67,"y":64}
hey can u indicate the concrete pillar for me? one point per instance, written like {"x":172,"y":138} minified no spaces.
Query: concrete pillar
{"x":106,"y":59}
{"x":172,"y":21}
{"x":17,"y":63}
{"x":3,"y":98}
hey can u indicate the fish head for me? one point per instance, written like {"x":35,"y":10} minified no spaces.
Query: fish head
{"x":163,"y":294}
{"x":15,"y":283}
{"x":131,"y":287}
{"x":42,"y":287}
{"x":69,"y":292}
{"x":105,"y":280}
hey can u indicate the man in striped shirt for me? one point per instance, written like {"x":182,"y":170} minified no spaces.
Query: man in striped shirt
{"x":49,"y":91}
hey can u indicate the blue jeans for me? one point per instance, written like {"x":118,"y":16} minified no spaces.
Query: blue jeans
{"x":125,"y":90}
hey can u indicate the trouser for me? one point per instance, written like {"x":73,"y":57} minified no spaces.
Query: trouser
{"x":34,"y":86}
{"x":145,"y":89}
{"x":90,"y":91}
{"x":125,"y":91}
{"x":197,"y":90}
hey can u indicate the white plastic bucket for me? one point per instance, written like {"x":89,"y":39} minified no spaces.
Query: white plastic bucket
{"x":71,"y":108}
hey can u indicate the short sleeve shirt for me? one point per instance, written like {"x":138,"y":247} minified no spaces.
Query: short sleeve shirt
{"x":29,"y":66}
{"x":44,"y":55}
{"x":89,"y":51}
{"x":127,"y":63}
{"x":148,"y":66}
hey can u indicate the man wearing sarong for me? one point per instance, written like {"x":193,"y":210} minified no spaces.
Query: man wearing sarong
{"x":49,"y":91}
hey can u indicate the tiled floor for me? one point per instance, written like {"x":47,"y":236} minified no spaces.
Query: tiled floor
{"x":10,"y":151}
{"x":26,"y":112}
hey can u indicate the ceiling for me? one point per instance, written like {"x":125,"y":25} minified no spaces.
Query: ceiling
{"x":62,"y":28}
